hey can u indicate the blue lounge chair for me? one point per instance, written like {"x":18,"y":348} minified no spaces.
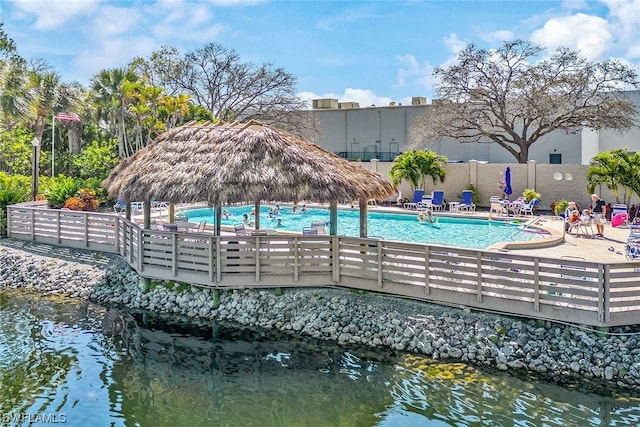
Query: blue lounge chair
{"x":120,"y":206}
{"x":466,"y":204}
{"x":437,"y":202}
{"x":417,"y":198}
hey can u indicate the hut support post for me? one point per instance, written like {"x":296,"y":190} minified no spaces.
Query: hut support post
{"x":363,"y":218}
{"x":218,"y":218}
{"x":172,"y":213}
{"x":215,"y":297}
{"x":256,"y":217}
{"x":147,"y":214}
{"x":127,"y":210}
{"x":333,"y":217}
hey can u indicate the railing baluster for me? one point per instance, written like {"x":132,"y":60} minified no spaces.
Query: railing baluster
{"x":257,"y":258}
{"x":58,"y":234}
{"x":536,"y":284}
{"x":212,"y":258}
{"x":296,"y":259}
{"x":479,"y":278}
{"x":427,"y":272}
{"x":335,"y":259}
{"x":218,"y":260}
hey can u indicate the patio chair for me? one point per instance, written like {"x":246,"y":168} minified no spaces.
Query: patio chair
{"x":619,"y":215}
{"x":170,"y":227}
{"x":528,"y":208}
{"x":202,"y":226}
{"x":466,"y":202}
{"x":425,"y":203}
{"x":119,"y":207}
{"x":240,"y":229}
{"x":309,"y":231}
{"x":319,"y":225}
{"x":496,"y":205}
{"x":437,"y":202}
{"x":585,"y":227}
{"x":417,"y":198}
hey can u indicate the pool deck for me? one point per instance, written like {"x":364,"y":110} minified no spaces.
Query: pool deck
{"x":581,"y":248}
{"x":563,"y":245}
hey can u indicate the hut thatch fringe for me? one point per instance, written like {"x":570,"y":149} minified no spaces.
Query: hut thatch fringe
{"x":233,"y":163}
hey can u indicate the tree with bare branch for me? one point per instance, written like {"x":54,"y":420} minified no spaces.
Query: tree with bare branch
{"x":216,"y":78}
{"x":509,"y":97}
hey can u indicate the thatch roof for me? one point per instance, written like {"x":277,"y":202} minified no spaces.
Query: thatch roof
{"x":234,"y":163}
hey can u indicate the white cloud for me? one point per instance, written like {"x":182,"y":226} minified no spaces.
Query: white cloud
{"x":454,"y":44}
{"x":624,"y":17}
{"x":497,"y":37}
{"x":175,"y":20}
{"x":586,"y":33}
{"x":52,"y":14}
{"x":114,"y":53}
{"x":110,"y":21}
{"x":414,"y":71}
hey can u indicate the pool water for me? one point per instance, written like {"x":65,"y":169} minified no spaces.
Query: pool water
{"x":471,"y":233}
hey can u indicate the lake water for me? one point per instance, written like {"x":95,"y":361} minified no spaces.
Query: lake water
{"x":70,"y":361}
{"x":472,"y":233}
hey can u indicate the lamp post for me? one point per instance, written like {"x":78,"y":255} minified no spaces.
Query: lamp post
{"x":34,"y":167}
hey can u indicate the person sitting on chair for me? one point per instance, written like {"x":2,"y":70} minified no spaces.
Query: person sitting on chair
{"x":567,"y":214}
{"x":574,"y":219}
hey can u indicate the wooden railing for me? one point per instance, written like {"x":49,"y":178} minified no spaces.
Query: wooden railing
{"x":597,"y":294}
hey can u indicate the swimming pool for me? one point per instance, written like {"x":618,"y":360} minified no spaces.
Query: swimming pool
{"x":461,"y":232}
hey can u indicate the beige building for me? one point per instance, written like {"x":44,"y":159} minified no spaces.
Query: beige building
{"x":365,"y":133}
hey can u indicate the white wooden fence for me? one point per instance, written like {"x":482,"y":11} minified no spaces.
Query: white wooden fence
{"x":597,"y":294}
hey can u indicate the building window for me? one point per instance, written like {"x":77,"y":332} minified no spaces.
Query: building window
{"x":555,"y":159}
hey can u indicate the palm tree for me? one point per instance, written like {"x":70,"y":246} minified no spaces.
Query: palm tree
{"x":431,"y":165}
{"x":112,"y":88}
{"x":416,"y":165}
{"x":405,"y":166}
{"x":615,"y":169}
{"x":176,"y":108}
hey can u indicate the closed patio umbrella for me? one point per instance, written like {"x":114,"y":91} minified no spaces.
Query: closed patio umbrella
{"x":507,"y":182}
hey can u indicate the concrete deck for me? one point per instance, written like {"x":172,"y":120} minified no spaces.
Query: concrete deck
{"x":588,"y":249}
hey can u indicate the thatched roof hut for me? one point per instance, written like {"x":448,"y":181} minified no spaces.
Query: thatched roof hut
{"x":233,"y":163}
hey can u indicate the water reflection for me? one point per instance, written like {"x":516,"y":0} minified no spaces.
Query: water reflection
{"x":105,"y":366}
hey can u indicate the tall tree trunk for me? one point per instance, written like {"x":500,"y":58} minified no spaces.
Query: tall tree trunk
{"x":74,"y":137}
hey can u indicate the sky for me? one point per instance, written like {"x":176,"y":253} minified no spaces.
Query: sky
{"x":371,"y":52}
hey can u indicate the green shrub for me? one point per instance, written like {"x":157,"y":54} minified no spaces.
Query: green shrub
{"x":99,"y":193}
{"x":96,"y":160}
{"x":12,"y":190}
{"x":62,"y":189}
{"x":559,"y":206}
{"x":530,"y":194}
{"x":16,"y":150}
